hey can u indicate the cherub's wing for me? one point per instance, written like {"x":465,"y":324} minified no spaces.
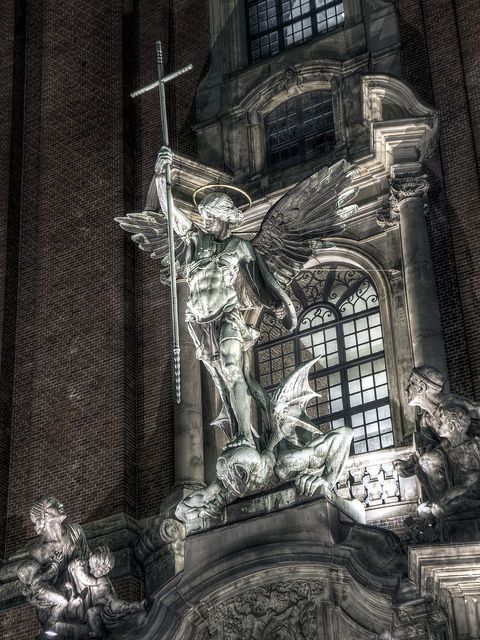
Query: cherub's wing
{"x":149,"y":231}
{"x":295,"y":227}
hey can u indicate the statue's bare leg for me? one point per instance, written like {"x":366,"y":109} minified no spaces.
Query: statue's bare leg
{"x":231,"y":360}
{"x":212,"y":364}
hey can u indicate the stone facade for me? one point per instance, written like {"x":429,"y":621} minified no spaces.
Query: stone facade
{"x":86,"y":405}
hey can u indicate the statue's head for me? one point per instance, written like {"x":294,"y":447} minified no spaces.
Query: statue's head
{"x":453,"y":420}
{"x":46,"y":512}
{"x":424,"y":383}
{"x":27,"y":571}
{"x":218,"y":206}
{"x":101,"y":562}
{"x":242,"y":469}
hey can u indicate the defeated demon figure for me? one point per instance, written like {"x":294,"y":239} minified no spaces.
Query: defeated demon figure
{"x":296,"y":450}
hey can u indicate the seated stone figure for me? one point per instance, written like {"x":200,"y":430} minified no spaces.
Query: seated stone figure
{"x":105,"y":612}
{"x":450,"y":473}
{"x":48,"y":600}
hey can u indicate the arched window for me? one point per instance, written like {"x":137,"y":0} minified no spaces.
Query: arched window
{"x":299,"y":129}
{"x":339,"y":320}
{"x":276,"y":25}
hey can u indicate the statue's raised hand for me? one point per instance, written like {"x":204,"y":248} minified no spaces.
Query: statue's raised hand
{"x":165,"y":156}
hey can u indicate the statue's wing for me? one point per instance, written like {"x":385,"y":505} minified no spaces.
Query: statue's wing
{"x":149,"y":231}
{"x":296,"y":226}
{"x":289,"y":402}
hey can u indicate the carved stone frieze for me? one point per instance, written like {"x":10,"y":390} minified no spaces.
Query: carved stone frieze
{"x":406,"y":188}
{"x":281,"y":611}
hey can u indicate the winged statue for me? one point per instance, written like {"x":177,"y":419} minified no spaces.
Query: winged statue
{"x":228,"y":275}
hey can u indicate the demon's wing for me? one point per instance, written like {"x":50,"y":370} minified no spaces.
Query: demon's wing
{"x":296,"y":226}
{"x":149,"y":231}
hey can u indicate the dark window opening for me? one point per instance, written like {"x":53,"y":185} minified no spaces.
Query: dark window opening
{"x":276,"y":25}
{"x":300,"y":129}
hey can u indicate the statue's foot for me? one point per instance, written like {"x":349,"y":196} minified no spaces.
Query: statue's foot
{"x":223,"y":422}
{"x":240,"y":441}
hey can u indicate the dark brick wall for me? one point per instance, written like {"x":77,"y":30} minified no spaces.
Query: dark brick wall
{"x":73,"y":432}
{"x":11,"y":100}
{"x":19,"y":623}
{"x":440,"y":58}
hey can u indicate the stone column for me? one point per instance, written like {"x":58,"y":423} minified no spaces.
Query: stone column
{"x":188,"y":421}
{"x":408,"y":195}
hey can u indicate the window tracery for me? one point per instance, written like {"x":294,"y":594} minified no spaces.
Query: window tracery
{"x":339,"y":321}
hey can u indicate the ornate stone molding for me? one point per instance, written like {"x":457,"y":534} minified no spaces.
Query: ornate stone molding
{"x":407,"y":188}
{"x":449,"y":575}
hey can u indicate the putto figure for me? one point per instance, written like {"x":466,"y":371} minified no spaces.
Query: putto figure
{"x":68,"y":585}
{"x":447,"y":456}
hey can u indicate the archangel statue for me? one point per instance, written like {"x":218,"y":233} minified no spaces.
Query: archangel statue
{"x":229,"y":275}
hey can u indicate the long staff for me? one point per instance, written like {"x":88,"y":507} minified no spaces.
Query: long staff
{"x":160,"y":83}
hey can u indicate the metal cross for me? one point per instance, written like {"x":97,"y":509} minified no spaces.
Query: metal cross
{"x":160,"y":83}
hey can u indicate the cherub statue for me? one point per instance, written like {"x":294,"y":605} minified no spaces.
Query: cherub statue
{"x":48,"y":585}
{"x":450,"y":473}
{"x":105,"y":612}
{"x":228,"y":275}
{"x":48,"y":600}
{"x":447,"y":459}
{"x":426,"y":390}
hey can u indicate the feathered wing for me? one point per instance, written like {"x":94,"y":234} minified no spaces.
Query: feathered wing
{"x":295,"y":227}
{"x":149,"y":231}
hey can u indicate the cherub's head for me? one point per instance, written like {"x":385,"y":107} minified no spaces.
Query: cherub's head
{"x":101,"y":562}
{"x":218,"y":207}
{"x":423,"y":385}
{"x":46,"y":512}
{"x":453,"y":421}
{"x":27,"y":571}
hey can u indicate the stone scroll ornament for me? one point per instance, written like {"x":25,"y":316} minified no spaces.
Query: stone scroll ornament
{"x":229,"y":276}
{"x":69,"y":585}
{"x":447,"y":456}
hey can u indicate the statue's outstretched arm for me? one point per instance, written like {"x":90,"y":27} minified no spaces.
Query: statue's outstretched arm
{"x":181,"y":223}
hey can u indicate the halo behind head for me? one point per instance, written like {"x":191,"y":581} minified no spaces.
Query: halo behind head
{"x":216,"y":187}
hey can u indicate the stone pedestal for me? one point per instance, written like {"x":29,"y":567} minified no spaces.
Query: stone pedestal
{"x":278,"y":567}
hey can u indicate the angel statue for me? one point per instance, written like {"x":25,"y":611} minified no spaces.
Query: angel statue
{"x":228,"y":275}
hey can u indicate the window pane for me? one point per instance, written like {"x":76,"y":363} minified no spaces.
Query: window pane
{"x":302,"y":127}
{"x":296,"y":18}
{"x":350,"y":377}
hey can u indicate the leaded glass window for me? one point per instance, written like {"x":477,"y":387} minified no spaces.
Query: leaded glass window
{"x":299,"y":129}
{"x":339,"y":320}
{"x":275,"y":25}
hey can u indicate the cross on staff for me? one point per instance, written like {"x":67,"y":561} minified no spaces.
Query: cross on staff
{"x":160,"y":83}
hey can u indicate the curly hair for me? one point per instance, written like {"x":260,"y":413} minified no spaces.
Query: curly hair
{"x":223,"y":207}
{"x":46,"y":505}
{"x":101,"y":561}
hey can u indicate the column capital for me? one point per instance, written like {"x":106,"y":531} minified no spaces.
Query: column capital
{"x":405,"y":188}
